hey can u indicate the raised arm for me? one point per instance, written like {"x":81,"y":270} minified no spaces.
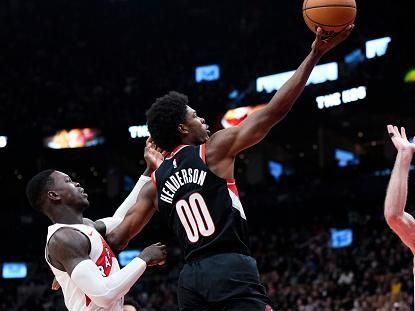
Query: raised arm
{"x":153,"y":158}
{"x":68,"y":250}
{"x":135,"y":220}
{"x":229,"y":142}
{"x":401,"y":222}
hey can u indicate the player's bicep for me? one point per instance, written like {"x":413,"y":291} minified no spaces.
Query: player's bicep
{"x":68,"y":247}
{"x":404,"y":227}
{"x":135,"y":219}
{"x":231,"y":141}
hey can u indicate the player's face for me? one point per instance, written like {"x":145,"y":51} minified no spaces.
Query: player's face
{"x":197,"y":127}
{"x":70,"y":192}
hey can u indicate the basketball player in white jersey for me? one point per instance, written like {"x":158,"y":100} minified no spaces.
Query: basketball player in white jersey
{"x":79,"y":257}
{"x":401,"y":222}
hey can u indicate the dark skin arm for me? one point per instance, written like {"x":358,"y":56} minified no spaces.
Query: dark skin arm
{"x":137,"y":217}
{"x":153,"y":158}
{"x":224,"y":145}
{"x":67,"y":248}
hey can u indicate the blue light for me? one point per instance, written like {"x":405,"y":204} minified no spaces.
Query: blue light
{"x":14,"y":270}
{"x":345,"y":158}
{"x":207,"y":73}
{"x":275,"y":169}
{"x":354,"y":57}
{"x":126,"y":256}
{"x":234,"y":94}
{"x":341,"y":238}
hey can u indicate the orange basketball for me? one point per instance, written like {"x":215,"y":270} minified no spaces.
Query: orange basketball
{"x":331,"y":15}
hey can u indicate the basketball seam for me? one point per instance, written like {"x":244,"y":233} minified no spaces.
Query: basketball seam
{"x":320,"y":24}
{"x":329,"y":6}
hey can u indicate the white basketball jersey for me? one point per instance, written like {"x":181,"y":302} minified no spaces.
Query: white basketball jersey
{"x":104,"y":258}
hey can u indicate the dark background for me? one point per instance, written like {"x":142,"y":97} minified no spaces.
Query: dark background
{"x":67,"y":64}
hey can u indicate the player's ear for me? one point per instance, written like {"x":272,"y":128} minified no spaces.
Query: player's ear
{"x":52,"y":195}
{"x":182,"y":128}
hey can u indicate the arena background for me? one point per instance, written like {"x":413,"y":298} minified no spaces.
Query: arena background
{"x":100,"y":64}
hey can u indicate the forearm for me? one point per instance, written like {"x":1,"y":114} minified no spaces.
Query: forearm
{"x":104,"y":291}
{"x":284,"y":99}
{"x":112,"y":222}
{"x":396,"y":194}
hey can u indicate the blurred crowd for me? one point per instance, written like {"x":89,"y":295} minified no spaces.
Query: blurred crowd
{"x":298,"y":268}
{"x":69,"y":64}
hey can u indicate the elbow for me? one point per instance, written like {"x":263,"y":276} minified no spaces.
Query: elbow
{"x":392,"y":219}
{"x":116,"y":242}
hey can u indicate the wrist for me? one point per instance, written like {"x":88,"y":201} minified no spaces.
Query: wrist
{"x":316,"y":55}
{"x":144,"y":258}
{"x":405,"y":153}
{"x":140,"y":260}
{"x":147,"y":172}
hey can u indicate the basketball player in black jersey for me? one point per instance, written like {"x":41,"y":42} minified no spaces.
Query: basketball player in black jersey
{"x":195,"y":190}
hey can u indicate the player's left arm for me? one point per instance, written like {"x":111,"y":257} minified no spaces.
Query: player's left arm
{"x":153,"y":158}
{"x":259,"y":123}
{"x":136,"y":219}
{"x":401,"y":222}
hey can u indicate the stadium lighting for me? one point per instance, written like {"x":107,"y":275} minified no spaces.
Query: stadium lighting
{"x":320,"y":74}
{"x":139,"y":131}
{"x":343,"y":97}
{"x":207,"y":73}
{"x":377,"y":47}
{"x":3,"y":141}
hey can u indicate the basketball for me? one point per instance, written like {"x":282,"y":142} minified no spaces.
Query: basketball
{"x":331,"y":15}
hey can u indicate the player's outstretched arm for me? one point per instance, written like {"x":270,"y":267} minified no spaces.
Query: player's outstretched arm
{"x":135,"y":220}
{"x":153,"y":158}
{"x":401,"y":222}
{"x":70,"y":249}
{"x":230,"y":142}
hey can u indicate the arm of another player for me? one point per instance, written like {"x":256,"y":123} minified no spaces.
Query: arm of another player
{"x":135,"y":220}
{"x":153,"y":158}
{"x":70,"y":248}
{"x":401,"y":222}
{"x":259,"y":123}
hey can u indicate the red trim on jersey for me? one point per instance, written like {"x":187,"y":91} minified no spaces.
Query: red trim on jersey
{"x":105,"y":262}
{"x":202,"y":152}
{"x":153,"y":178}
{"x":232,"y":186}
{"x":175,"y":151}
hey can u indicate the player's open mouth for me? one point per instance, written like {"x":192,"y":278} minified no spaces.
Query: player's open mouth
{"x":83,"y":192}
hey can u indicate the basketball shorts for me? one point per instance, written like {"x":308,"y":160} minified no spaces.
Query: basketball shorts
{"x":223,"y":282}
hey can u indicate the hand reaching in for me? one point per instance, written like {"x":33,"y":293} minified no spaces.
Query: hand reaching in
{"x":153,"y":155}
{"x":399,"y":139}
{"x":323,"y":43}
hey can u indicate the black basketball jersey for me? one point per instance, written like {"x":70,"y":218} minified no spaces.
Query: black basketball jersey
{"x":203,"y":210}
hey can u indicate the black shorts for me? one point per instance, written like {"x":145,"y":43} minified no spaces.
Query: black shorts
{"x":226,"y":281}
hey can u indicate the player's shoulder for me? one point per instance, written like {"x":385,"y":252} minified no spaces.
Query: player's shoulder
{"x":67,"y":237}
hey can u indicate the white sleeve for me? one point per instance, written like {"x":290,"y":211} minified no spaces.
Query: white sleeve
{"x":112,"y":222}
{"x":104,"y":291}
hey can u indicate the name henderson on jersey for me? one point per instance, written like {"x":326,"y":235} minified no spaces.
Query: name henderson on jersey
{"x":179,"y":179}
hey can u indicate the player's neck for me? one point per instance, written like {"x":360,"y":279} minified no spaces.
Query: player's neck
{"x":67,"y":216}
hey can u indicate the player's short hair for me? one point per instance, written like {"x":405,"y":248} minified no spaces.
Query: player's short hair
{"x":163,"y":117}
{"x":39,"y":183}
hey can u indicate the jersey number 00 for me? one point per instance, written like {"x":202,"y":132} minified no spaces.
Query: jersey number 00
{"x":195,"y":217}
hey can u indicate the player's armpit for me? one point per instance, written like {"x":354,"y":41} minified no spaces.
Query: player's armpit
{"x":135,"y":220}
{"x":67,"y":248}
